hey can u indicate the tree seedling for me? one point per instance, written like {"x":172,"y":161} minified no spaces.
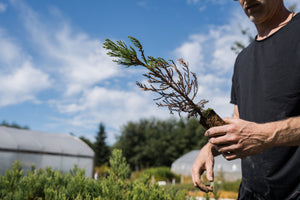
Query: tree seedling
{"x":175,"y":85}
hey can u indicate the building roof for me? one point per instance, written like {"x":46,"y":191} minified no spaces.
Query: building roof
{"x":21,"y":140}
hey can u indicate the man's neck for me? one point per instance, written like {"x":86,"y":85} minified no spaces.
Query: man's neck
{"x":269,"y":27}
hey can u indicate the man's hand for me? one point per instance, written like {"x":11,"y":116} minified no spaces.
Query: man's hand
{"x":239,"y":138}
{"x":203,"y":162}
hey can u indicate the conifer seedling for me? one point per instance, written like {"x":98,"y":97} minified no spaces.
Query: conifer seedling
{"x":175,"y":85}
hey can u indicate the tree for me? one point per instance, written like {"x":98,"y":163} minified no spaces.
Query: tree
{"x":13,"y":125}
{"x":87,"y":141}
{"x":238,"y":46}
{"x":119,"y":167}
{"x":152,"y":142}
{"x":100,"y":147}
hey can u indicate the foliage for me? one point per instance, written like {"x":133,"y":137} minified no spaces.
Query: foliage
{"x":293,"y":8}
{"x":230,"y":185}
{"x":100,"y":147}
{"x":102,"y":171}
{"x":13,"y":125}
{"x":238,"y":46}
{"x":160,"y":174}
{"x":152,"y":142}
{"x":119,"y":167}
{"x":87,"y":141}
{"x":52,"y":184}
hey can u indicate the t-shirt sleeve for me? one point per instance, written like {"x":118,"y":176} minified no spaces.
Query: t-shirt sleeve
{"x":234,"y":86}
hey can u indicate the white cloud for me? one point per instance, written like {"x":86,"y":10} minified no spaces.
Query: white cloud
{"x":79,"y":60}
{"x":192,"y":52}
{"x":82,"y":74}
{"x":11,"y":54}
{"x":207,"y":2}
{"x":22,"y":84}
{"x":211,"y":58}
{"x":192,"y":1}
{"x":85,"y":76}
{"x":20,"y":79}
{"x":2,"y":7}
{"x":115,"y":107}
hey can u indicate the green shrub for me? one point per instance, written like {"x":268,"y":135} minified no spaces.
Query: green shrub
{"x":231,"y":185}
{"x":162,"y":174}
{"x":51,"y":184}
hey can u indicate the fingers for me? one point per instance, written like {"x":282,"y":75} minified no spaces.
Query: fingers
{"x":195,"y":176}
{"x":221,"y":130}
{"x":210,"y":171}
{"x":227,"y":139}
{"x":199,"y":184}
{"x":218,"y":131}
{"x":230,"y":156}
{"x":229,"y":148}
{"x":204,"y":188}
{"x":204,"y":162}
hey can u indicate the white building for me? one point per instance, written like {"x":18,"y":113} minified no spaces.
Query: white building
{"x":59,"y":151}
{"x":230,"y":169}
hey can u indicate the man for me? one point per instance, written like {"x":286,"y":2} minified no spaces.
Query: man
{"x":265,"y":129}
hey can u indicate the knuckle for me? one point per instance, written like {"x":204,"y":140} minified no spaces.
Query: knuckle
{"x":231,"y":128}
{"x":233,"y":138}
{"x":239,"y":146}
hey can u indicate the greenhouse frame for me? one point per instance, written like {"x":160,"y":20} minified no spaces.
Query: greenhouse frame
{"x":58,"y":151}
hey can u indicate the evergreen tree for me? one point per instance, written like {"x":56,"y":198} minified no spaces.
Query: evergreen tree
{"x":87,"y":141}
{"x":100,"y":147}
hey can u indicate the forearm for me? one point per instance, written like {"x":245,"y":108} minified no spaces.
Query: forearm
{"x":283,"y":133}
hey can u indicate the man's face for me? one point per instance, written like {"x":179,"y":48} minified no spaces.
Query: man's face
{"x":260,"y":11}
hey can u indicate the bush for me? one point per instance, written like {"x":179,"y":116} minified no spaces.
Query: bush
{"x":161,"y":174}
{"x":231,"y":185}
{"x":53,"y":184}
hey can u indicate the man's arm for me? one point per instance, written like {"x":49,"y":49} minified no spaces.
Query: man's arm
{"x":236,"y":114}
{"x":240,"y":138}
{"x":284,"y":132}
{"x":204,"y":162}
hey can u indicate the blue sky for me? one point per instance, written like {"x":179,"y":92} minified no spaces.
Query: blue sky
{"x":56,"y":77}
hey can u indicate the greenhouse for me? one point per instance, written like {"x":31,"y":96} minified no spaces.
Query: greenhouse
{"x":230,"y":169}
{"x":59,"y":151}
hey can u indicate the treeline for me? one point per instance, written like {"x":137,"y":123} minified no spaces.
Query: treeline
{"x":13,"y":125}
{"x":153,"y":142}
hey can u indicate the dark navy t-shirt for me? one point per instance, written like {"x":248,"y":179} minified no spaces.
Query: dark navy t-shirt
{"x":266,"y":88}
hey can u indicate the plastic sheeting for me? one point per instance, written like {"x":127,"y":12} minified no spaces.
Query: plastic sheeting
{"x":59,"y":151}
{"x":231,"y":169}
